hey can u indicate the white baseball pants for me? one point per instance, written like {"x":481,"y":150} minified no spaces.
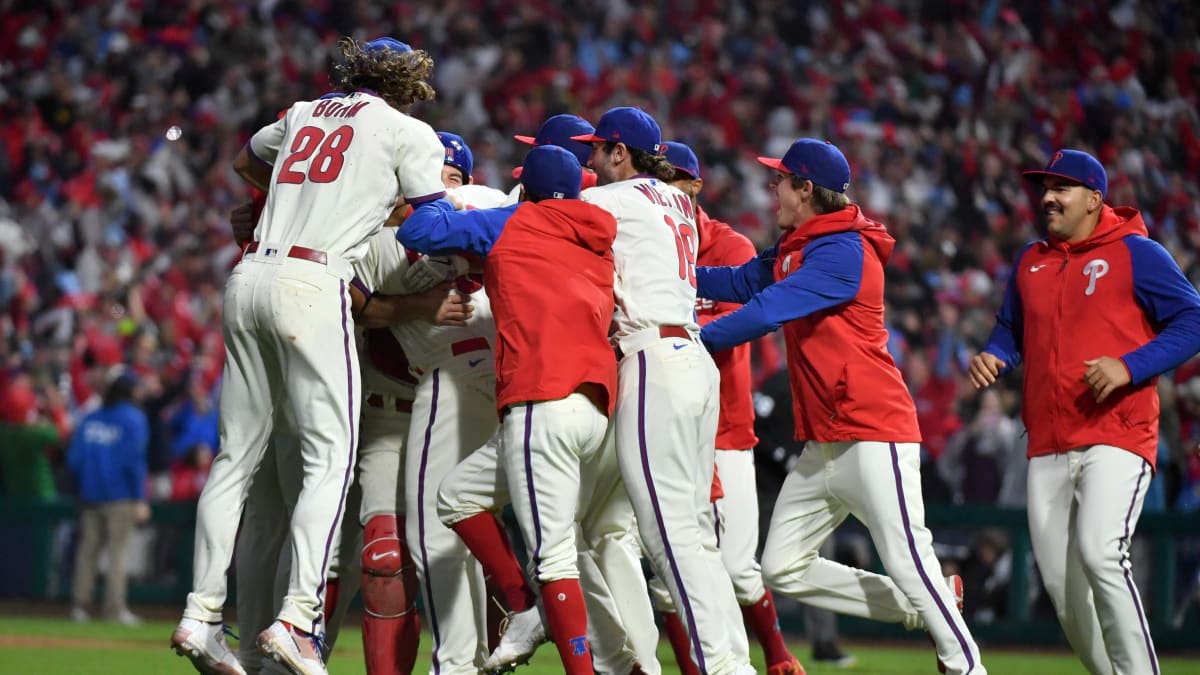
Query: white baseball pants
{"x":739,"y":506}
{"x":666,"y":423}
{"x":289,"y":343}
{"x":454,"y":414}
{"x":1083,"y":508}
{"x":381,"y":453}
{"x":880,"y":484}
{"x":621,"y":626}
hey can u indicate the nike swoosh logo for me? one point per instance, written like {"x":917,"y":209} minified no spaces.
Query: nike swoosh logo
{"x":380,"y":556}
{"x":678,"y":347}
{"x":474,"y":362}
{"x":1034,"y":268}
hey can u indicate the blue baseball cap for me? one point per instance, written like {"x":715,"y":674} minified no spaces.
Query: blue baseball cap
{"x":387,"y":44}
{"x":818,"y":161}
{"x":550,"y":172}
{"x":630,"y":126}
{"x":1076,"y":166}
{"x":559,"y":130}
{"x":682,"y":158}
{"x":458,"y":154}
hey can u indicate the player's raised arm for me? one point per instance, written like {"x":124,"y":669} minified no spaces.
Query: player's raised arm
{"x":737,"y":283}
{"x":436,"y":228}
{"x":831,"y":275}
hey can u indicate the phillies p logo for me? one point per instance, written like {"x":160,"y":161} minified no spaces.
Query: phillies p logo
{"x":1094,"y":269}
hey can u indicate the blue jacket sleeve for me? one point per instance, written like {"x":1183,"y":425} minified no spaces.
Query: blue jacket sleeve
{"x":1008,"y":335}
{"x":1169,"y":300}
{"x":136,"y":447}
{"x":829,"y":276}
{"x":436,"y":228}
{"x":737,"y":284}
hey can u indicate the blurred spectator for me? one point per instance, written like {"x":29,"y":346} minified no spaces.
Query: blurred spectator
{"x":194,"y":424}
{"x":986,"y":573}
{"x":107,"y":457}
{"x":26,"y":439}
{"x":985,"y":463}
{"x":189,"y":473}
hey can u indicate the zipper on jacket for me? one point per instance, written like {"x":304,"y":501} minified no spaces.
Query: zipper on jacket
{"x":1056,"y":363}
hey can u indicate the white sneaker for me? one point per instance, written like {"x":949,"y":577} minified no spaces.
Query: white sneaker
{"x":279,"y":643}
{"x":80,"y":615}
{"x":520,"y":635}
{"x":204,"y":644}
{"x":127,"y":618}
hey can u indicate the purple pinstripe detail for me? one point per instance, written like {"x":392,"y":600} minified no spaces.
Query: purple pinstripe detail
{"x":429,"y":603}
{"x":658,"y":516}
{"x":1137,"y":600}
{"x":912,"y":549}
{"x":337,"y":520}
{"x":717,"y":523}
{"x":537,"y":521}
{"x":425,"y":198}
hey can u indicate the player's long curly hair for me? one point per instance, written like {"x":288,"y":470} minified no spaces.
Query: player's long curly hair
{"x":400,"y":78}
{"x":647,"y":162}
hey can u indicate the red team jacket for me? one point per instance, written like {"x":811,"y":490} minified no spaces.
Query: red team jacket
{"x":845,"y":385}
{"x":720,"y":245}
{"x":1109,"y":295}
{"x":549,"y":277}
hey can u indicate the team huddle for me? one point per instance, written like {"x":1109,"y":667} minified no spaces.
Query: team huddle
{"x":408,"y":353}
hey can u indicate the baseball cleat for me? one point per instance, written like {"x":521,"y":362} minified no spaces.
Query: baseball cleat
{"x":204,"y":645}
{"x":955,"y":583}
{"x":791,"y":667}
{"x":520,"y":635}
{"x":284,"y":645}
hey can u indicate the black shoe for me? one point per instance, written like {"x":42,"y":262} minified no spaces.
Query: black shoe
{"x":829,"y":652}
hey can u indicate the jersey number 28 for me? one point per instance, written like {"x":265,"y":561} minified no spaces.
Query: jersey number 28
{"x":330,"y":150}
{"x":685,"y":246}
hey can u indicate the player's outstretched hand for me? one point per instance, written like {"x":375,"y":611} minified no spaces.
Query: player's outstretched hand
{"x":1104,"y":375}
{"x":984,"y":369}
{"x":241,"y":218}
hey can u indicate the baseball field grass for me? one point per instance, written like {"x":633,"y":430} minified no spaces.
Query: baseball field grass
{"x":47,"y":646}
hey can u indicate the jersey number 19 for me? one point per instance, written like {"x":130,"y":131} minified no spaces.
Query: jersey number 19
{"x":330,"y":155}
{"x":685,"y":247}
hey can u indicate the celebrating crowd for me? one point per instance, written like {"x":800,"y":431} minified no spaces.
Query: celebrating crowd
{"x":121,"y":123}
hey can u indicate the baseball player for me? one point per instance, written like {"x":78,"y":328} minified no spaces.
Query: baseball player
{"x":452,"y":417}
{"x":554,"y":387}
{"x":1096,"y":311}
{"x":823,"y":282}
{"x":621,"y":630}
{"x":665,"y":419}
{"x":558,"y":130}
{"x":721,"y":245}
{"x":277,"y":346}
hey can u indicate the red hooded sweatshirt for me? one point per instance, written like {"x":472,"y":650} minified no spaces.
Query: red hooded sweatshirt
{"x":845,"y":384}
{"x":1117,"y":293}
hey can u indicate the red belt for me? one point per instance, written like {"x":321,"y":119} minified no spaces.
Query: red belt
{"x":664,"y":332}
{"x":377,"y":401}
{"x":298,"y":252}
{"x":469,"y":345}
